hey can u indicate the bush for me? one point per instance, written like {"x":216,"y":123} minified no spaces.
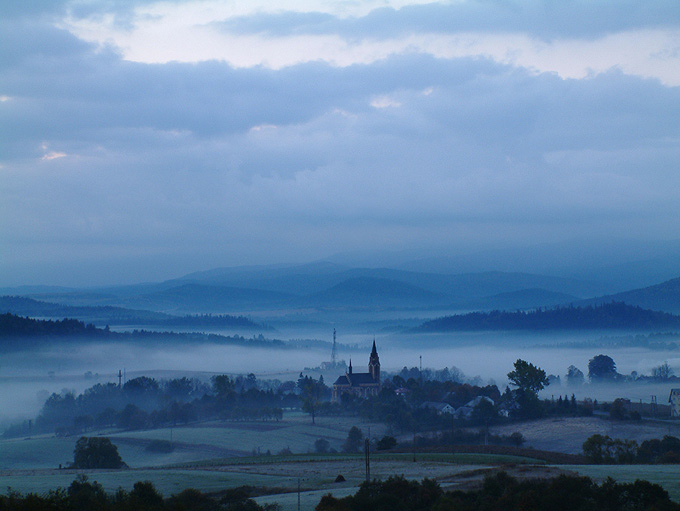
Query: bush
{"x":353,"y":442}
{"x":96,"y":452}
{"x":321,"y":445}
{"x":387,"y":442}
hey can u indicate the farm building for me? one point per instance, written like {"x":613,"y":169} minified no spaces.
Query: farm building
{"x":674,"y":400}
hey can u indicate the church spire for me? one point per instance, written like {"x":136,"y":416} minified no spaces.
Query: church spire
{"x":374,"y":363}
{"x":350,"y":366}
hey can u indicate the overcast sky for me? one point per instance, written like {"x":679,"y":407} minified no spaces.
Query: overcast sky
{"x":141,"y":140}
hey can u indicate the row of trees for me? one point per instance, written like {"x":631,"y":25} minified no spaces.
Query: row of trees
{"x":145,"y":402}
{"x":602,"y":449}
{"x":84,"y":495}
{"x":503,"y":492}
{"x":602,"y":369}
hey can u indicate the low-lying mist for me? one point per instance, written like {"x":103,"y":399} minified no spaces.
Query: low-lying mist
{"x":29,"y":377}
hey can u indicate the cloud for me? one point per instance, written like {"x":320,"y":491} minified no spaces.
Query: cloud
{"x":177,"y":166}
{"x":544,"y":19}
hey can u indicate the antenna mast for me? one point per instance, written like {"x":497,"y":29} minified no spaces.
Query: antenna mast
{"x":334,"y":352}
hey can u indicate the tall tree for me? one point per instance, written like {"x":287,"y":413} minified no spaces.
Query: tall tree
{"x":601,"y":367}
{"x":528,"y":378}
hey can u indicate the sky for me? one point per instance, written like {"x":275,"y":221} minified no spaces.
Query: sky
{"x":142,"y":140}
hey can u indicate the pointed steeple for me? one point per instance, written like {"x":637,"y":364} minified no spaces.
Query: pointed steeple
{"x":374,"y":363}
{"x":350,"y":366}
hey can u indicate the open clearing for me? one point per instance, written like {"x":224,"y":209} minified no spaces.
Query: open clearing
{"x":567,"y":434}
{"x":216,"y":456}
{"x":194,"y":442}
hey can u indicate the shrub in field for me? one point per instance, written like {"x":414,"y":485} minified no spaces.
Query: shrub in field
{"x":321,"y":445}
{"x":353,"y":442}
{"x":386,"y":442}
{"x":96,"y":452}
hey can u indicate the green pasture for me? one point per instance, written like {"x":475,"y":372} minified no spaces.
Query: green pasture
{"x":195,"y":442}
{"x":36,"y":452}
{"x":279,"y":474}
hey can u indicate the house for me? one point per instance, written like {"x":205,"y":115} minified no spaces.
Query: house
{"x":439,"y":407}
{"x":674,"y":400}
{"x":465,"y":411}
{"x":359,"y":384}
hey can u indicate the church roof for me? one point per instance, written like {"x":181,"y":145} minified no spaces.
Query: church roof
{"x":355,"y":379}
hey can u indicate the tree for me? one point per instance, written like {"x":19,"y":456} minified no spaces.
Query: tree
{"x":386,"y":443}
{"x":574,"y":376}
{"x":84,"y":496}
{"x":144,"y":497}
{"x":601,"y":367}
{"x":662,"y":372}
{"x":311,"y":393}
{"x":353,"y":442}
{"x":321,"y":445}
{"x":484,"y":413}
{"x":528,"y":378}
{"x":96,"y":452}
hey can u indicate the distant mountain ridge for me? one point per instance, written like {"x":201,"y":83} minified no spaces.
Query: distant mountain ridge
{"x":377,"y":292}
{"x":521,"y":300}
{"x":325,"y":285}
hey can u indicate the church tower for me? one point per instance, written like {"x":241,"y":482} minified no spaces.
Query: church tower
{"x":374,"y":364}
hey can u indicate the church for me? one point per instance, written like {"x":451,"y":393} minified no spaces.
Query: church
{"x":359,"y":384}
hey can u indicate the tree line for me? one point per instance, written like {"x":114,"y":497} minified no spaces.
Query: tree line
{"x":596,"y":317}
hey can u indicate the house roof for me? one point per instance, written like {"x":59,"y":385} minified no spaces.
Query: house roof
{"x":436,"y":405}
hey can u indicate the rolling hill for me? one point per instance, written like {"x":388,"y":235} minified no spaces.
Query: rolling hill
{"x":375,"y":292}
{"x":520,"y":300}
{"x":664,"y":297}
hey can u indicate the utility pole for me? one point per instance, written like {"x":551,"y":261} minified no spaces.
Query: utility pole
{"x":421,"y":369}
{"x":414,"y":442}
{"x":367,"y":453}
{"x":298,"y":494}
{"x":120,"y":377}
{"x":334,"y":353}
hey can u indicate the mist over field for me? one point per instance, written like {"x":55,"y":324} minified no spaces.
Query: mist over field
{"x":29,"y":377}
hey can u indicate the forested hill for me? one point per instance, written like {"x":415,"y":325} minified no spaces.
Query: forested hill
{"x":17,"y":326}
{"x":17,"y":332}
{"x":615,"y":315}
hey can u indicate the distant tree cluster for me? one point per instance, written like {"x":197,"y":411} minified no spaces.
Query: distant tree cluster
{"x":17,"y":326}
{"x":15,"y":330}
{"x":144,"y":402}
{"x":605,"y":316}
{"x":602,"y":449}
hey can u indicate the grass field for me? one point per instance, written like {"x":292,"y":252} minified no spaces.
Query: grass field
{"x":567,"y":434}
{"x":216,"y":456}
{"x":195,"y":442}
{"x":277,"y":473}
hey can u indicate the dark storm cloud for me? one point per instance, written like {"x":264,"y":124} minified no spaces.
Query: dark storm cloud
{"x":546,"y":19}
